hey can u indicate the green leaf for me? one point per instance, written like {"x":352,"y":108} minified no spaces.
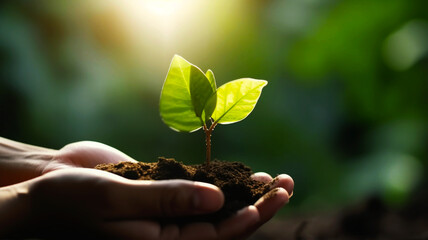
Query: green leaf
{"x":211,"y":104}
{"x":236,"y":99}
{"x":211,"y":79}
{"x":200,"y":90}
{"x":185,"y":93}
{"x":176,"y":107}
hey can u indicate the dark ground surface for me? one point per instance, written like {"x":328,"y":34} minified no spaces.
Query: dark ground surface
{"x":369,"y":219}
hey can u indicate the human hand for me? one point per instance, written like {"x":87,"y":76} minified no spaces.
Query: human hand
{"x":68,"y":197}
{"x":103,"y":204}
{"x":89,"y":154}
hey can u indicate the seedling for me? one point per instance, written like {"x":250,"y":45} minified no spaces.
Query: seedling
{"x":190,"y":99}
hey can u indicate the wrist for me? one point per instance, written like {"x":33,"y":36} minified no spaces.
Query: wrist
{"x":20,"y":162}
{"x":15,"y":209}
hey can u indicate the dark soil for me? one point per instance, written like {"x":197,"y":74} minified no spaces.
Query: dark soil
{"x":233,"y":178}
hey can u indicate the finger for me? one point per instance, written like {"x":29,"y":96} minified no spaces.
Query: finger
{"x":283,"y":181}
{"x":133,"y":229}
{"x":200,"y":230}
{"x":169,"y":232}
{"x":262,"y":177}
{"x":270,"y":203}
{"x":267,"y":206}
{"x":239,"y":225}
{"x":165,"y":198}
{"x":140,"y":229}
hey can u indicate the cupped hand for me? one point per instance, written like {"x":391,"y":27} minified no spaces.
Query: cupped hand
{"x":70,"y":197}
{"x":86,"y":202}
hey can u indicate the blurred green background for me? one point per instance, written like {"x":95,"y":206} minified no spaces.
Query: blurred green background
{"x":345,"y":111}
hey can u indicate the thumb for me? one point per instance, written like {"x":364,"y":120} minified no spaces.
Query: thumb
{"x":169,"y":198}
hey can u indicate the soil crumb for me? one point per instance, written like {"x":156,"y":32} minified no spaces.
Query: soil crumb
{"x":233,"y":178}
{"x":271,"y":194}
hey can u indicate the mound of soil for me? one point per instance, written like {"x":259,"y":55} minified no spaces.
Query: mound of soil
{"x":233,"y":178}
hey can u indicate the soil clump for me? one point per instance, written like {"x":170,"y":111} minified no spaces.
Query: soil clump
{"x":233,"y":178}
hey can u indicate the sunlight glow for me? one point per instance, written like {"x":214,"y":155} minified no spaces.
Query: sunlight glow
{"x":159,"y":20}
{"x":149,"y":32}
{"x":162,"y":7}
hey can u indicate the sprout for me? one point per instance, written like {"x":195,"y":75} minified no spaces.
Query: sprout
{"x":190,"y":99}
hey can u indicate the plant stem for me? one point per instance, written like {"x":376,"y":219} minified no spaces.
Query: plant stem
{"x":208,"y":133}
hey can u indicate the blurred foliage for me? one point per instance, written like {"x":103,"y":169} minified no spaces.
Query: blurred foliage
{"x":345,"y":112}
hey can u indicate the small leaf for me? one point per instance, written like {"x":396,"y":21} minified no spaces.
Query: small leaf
{"x":236,"y":99}
{"x":200,"y":90}
{"x":184,"y":96}
{"x":211,"y":79}
{"x":210,"y":105}
{"x":176,"y":106}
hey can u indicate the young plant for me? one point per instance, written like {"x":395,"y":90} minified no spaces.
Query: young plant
{"x":190,"y":99}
